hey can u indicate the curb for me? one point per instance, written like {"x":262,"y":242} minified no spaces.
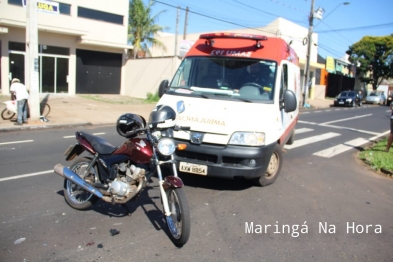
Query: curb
{"x":37,"y":127}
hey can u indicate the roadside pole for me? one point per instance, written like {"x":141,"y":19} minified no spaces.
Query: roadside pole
{"x":32,"y":59}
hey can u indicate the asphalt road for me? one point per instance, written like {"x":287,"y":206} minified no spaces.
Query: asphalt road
{"x":325,"y":206}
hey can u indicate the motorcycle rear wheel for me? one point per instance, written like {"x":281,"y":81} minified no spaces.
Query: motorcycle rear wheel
{"x":179,"y":222}
{"x":76,"y":196}
{"x":7,"y":114}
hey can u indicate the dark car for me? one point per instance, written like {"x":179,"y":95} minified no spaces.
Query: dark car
{"x":346,"y":98}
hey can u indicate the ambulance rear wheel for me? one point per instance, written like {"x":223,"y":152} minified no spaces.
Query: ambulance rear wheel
{"x":291,"y":139}
{"x":273,"y":169}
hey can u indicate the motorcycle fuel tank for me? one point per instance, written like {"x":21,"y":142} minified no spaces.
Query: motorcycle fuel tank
{"x":137,"y":149}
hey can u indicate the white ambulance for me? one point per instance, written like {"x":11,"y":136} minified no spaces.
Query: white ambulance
{"x":241,"y":96}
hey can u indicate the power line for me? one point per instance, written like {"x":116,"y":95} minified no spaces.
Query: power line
{"x":356,"y":28}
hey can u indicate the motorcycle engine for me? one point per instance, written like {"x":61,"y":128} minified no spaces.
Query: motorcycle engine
{"x":126,"y":180}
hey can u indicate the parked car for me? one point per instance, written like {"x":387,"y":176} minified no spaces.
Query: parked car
{"x":376,"y":98}
{"x":389,"y":99}
{"x":345,"y":98}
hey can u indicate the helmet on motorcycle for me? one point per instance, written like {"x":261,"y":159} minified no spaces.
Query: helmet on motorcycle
{"x":128,"y":123}
{"x":162,"y":116}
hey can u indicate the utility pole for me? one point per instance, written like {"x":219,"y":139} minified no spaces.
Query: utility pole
{"x":32,"y":59}
{"x":185,"y":24}
{"x":177,"y":25}
{"x":309,"y":40}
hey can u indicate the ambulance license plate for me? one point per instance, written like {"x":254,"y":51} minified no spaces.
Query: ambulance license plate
{"x":193,"y":168}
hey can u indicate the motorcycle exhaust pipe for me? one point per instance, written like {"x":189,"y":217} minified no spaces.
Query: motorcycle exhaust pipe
{"x":69,"y":175}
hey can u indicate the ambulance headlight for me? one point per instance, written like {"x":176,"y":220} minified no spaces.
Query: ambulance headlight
{"x":247,"y":139}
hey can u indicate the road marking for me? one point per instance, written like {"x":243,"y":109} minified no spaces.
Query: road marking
{"x":26,"y":175}
{"x":16,"y":142}
{"x":303,"y":130}
{"x":344,"y":119}
{"x":306,"y":122}
{"x":312,"y":139}
{"x":95,"y":134}
{"x":338,"y":149}
{"x":353,"y":129}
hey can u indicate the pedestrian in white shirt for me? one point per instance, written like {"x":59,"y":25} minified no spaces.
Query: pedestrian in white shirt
{"x":21,"y":95}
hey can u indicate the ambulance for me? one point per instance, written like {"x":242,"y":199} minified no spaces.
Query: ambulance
{"x":240,"y":96}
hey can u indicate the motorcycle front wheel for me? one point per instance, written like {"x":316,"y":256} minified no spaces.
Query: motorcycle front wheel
{"x":7,"y":114}
{"x":179,"y":222}
{"x":75,"y":195}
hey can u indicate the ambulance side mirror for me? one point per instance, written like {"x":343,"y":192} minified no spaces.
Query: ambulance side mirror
{"x":290,"y":102}
{"x":164,"y":86}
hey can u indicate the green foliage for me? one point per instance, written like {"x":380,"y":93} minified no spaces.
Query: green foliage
{"x":142,"y":27}
{"x":375,"y":55}
{"x":376,"y":156}
{"x":153,"y":97}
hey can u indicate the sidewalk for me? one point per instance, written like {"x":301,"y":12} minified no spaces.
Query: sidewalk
{"x":69,"y":110}
{"x":75,"y":110}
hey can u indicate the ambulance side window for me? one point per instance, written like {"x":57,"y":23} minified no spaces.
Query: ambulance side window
{"x":284,"y":79}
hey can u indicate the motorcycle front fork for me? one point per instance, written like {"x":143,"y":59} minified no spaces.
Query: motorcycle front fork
{"x":161,"y":185}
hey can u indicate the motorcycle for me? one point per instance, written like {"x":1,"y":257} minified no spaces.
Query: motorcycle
{"x":118,"y":174}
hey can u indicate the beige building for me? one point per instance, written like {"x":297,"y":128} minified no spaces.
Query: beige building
{"x":82,"y":48}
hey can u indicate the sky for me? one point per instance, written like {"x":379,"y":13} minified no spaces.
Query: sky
{"x":342,"y":25}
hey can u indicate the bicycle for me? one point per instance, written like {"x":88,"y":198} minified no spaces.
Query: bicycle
{"x":11,"y":110}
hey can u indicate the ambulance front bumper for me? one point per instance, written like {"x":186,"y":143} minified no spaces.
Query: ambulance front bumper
{"x":228,"y":161}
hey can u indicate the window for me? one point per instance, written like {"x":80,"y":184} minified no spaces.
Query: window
{"x":99,"y":15}
{"x":15,"y":2}
{"x":47,"y":49}
{"x":64,"y":9}
{"x":16,"y":46}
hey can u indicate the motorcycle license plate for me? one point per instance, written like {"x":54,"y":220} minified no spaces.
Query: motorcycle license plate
{"x":193,"y":168}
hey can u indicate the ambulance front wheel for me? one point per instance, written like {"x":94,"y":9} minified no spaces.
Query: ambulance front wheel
{"x":273,"y":169}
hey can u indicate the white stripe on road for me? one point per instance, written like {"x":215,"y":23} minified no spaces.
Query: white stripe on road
{"x":95,"y":134}
{"x":303,"y":130}
{"x":312,"y":139}
{"x":26,"y":175}
{"x":344,"y":119}
{"x":16,"y":142}
{"x":338,"y":149}
{"x":335,"y":150}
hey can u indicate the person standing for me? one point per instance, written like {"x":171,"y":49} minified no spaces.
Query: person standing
{"x":390,"y":138}
{"x":359,"y":98}
{"x":21,"y":95}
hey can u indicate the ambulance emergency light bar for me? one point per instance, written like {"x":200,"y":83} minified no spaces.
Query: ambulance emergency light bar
{"x":209,"y":37}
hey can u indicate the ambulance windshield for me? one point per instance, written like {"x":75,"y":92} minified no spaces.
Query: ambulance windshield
{"x":228,"y":77}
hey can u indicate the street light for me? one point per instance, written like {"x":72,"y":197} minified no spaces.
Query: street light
{"x":345,"y":3}
{"x":317,"y":14}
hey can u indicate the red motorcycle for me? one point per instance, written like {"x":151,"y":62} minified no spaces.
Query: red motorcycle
{"x":118,"y":174}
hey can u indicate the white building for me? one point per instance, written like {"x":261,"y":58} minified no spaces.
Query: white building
{"x":82,"y":49}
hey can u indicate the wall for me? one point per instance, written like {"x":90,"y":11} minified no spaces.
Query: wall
{"x":143,"y":76}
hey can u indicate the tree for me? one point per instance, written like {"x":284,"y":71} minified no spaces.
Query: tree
{"x":142,"y":27}
{"x":373,"y":55}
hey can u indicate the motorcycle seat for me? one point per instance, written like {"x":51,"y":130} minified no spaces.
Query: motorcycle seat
{"x":99,"y":144}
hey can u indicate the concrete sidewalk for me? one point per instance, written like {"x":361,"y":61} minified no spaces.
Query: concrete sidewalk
{"x":68,"y":110}
{"x":77,"y":110}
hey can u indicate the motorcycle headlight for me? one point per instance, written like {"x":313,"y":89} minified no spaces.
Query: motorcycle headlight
{"x":166,"y":146}
{"x":349,"y":100}
{"x":248,"y":139}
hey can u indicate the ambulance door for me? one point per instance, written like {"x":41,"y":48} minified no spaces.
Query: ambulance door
{"x":284,"y":82}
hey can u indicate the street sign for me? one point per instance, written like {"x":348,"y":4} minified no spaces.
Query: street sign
{"x":44,"y":6}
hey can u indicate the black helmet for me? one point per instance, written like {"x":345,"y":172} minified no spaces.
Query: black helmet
{"x":162,"y":116}
{"x":127,"y":123}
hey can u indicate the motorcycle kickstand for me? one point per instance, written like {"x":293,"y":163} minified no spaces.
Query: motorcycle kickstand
{"x":129,"y":213}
